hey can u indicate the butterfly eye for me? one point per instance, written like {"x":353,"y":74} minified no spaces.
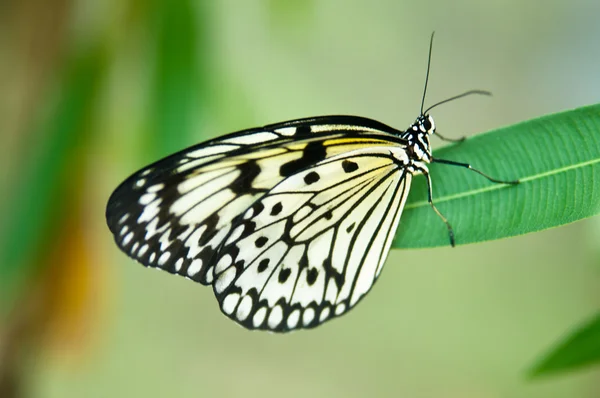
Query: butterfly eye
{"x":426,"y":125}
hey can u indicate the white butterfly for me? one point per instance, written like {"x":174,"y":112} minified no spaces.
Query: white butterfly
{"x":290,"y":223}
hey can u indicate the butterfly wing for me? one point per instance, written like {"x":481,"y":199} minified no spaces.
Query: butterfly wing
{"x":310,"y":248}
{"x":175,"y":213}
{"x":171,"y":214}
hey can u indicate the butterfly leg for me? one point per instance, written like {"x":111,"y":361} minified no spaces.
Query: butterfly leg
{"x":441,"y":137}
{"x":468,"y":166}
{"x":425,"y":172}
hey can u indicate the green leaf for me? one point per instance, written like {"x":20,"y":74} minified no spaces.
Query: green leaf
{"x":556,"y":158}
{"x":580,"y":349}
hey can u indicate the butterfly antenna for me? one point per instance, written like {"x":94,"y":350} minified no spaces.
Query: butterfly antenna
{"x":470,"y":92}
{"x":427,"y":75}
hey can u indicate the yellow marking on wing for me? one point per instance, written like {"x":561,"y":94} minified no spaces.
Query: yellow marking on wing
{"x":357,"y":141}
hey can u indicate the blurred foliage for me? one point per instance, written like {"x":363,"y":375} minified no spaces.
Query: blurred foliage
{"x":179,"y":81}
{"x":94,"y":90}
{"x":580,"y":349}
{"x":49,"y":185}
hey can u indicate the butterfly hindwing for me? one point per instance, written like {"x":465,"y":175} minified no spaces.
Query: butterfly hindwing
{"x":311,"y":247}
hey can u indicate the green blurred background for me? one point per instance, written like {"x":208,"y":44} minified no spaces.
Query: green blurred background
{"x":92,"y":91}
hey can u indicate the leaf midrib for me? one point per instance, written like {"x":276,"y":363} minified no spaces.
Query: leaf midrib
{"x":446,"y":198}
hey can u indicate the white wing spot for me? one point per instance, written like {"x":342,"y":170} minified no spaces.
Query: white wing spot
{"x":286,"y":131}
{"x":249,"y":213}
{"x":149,"y":212}
{"x":194,"y":267}
{"x":309,"y":315}
{"x":123,"y":218}
{"x":244,"y":308}
{"x":210,"y":274}
{"x":192,"y":241}
{"x":224,"y":280}
{"x":259,"y":317}
{"x":251,"y":138}
{"x":140,"y":183}
{"x":163,"y":258}
{"x":212,"y":150}
{"x":124,"y":230}
{"x":147,"y":198}
{"x":235,"y":235}
{"x":230,"y":303}
{"x":127,"y":238}
{"x":134,"y":248}
{"x":164,"y":240}
{"x":324,"y":314}
{"x":293,"y":319}
{"x":275,"y":317}
{"x":152,"y":257}
{"x":178,"y":264}
{"x":155,"y":188}
{"x":146,"y":172}
{"x":341,"y":307}
{"x":143,"y":250}
{"x":223,"y":263}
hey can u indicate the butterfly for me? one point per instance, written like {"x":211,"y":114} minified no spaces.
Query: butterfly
{"x":290,"y":223}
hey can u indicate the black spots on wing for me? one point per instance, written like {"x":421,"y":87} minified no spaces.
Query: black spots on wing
{"x":284,"y":274}
{"x":303,"y":129}
{"x":328,"y":215}
{"x":257,"y":208}
{"x":337,"y":277}
{"x":313,"y":153}
{"x":249,"y":228}
{"x":243,"y":183}
{"x":350,"y":227}
{"x":211,"y":229}
{"x":349,"y":166}
{"x":276,"y":209}
{"x":311,"y":177}
{"x":260,"y":242}
{"x":239,"y":265}
{"x":303,"y":263}
{"x":263,"y":265}
{"x":311,"y":276}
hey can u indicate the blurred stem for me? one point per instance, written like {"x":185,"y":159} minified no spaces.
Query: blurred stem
{"x":180,"y":74}
{"x":36,"y":204}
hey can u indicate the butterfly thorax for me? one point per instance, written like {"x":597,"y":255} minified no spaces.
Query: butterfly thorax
{"x":417,"y":136}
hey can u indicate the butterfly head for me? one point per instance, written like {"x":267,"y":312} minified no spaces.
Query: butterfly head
{"x":421,"y":128}
{"x":424,"y":125}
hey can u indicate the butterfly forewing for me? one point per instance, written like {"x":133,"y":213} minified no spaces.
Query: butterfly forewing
{"x":311,"y":247}
{"x":174,"y":214}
